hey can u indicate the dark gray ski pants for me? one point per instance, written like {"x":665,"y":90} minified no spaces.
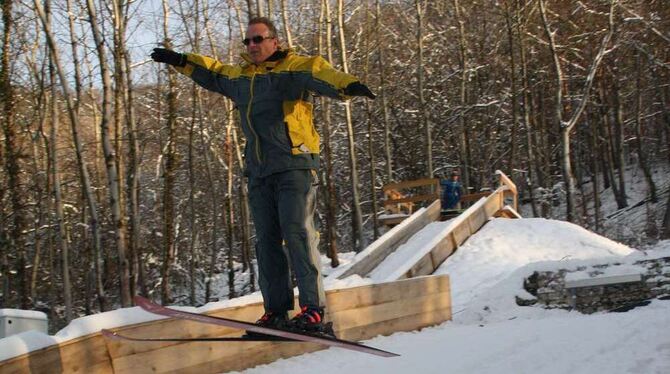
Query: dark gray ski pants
{"x":282,"y":207}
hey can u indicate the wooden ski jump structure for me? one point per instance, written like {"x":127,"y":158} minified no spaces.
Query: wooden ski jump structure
{"x":410,"y":299}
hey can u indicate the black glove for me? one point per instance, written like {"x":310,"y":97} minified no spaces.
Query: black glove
{"x":169,"y":57}
{"x":358,"y":89}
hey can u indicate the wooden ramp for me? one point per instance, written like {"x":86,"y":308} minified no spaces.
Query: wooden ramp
{"x":458,"y":231}
{"x":357,"y":313}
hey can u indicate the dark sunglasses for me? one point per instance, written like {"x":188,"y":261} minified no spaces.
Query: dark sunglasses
{"x":258,"y":39}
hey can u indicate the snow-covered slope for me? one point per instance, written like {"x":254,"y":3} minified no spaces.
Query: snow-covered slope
{"x":491,"y":334}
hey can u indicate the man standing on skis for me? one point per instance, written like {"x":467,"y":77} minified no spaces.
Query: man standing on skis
{"x":271,"y":90}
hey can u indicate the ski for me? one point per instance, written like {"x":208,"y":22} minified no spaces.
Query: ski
{"x":152,"y":307}
{"x":269,"y":338}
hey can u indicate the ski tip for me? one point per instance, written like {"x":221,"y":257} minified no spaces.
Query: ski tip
{"x":389,"y":354}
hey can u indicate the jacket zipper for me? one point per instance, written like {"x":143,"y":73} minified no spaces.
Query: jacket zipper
{"x":257,"y":145}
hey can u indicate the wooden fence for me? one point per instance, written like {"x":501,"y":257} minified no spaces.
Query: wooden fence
{"x":494,"y":204}
{"x":357,"y":313}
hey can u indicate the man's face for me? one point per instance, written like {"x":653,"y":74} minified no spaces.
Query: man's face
{"x":260,"y":51}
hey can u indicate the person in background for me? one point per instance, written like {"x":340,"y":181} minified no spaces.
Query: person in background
{"x":451,"y":191}
{"x":272,"y":89}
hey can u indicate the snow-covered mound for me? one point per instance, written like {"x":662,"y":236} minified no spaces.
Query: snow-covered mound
{"x":504,"y":245}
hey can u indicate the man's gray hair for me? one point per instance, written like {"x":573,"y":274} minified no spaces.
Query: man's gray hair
{"x":266,"y":21}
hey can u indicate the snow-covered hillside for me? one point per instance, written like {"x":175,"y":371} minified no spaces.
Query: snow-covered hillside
{"x":491,"y":334}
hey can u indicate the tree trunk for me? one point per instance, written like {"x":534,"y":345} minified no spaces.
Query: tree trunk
{"x":424,"y":123}
{"x":287,"y":26}
{"x":371,"y":152}
{"x":620,"y":159}
{"x":61,"y":230}
{"x":462,"y":130}
{"x":593,"y":157}
{"x":567,"y":126}
{"x":566,"y":166}
{"x":169,"y":173}
{"x":642,"y":157}
{"x":124,"y":100}
{"x":511,"y":163}
{"x":110,"y":161}
{"x":16,"y":242}
{"x":381,"y":63}
{"x":360,"y":242}
{"x":330,"y":194}
{"x":526,"y":110}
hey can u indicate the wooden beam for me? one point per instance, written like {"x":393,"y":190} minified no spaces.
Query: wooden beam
{"x":372,"y":256}
{"x":411,"y":184}
{"x":413,"y":199}
{"x":357,"y":313}
{"x":87,"y":354}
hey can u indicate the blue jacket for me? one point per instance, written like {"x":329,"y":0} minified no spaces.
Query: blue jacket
{"x":451,"y":193}
{"x":272,"y":98}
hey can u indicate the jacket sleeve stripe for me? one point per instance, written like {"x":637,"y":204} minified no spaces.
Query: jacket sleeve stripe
{"x":211,"y":74}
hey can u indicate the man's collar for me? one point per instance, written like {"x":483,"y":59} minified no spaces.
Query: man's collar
{"x":271,"y":61}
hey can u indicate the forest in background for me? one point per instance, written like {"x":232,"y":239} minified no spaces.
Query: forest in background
{"x":120,"y":177}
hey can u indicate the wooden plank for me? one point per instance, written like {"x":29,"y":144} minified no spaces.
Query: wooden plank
{"x":443,"y":250}
{"x":359,"y":311}
{"x":87,"y":354}
{"x":422,"y":267}
{"x":463,"y":226}
{"x":182,"y":329}
{"x":475,"y":196}
{"x":507,"y":212}
{"x":391,"y":220}
{"x":359,"y":297}
{"x":363,"y":316}
{"x":412,"y":183}
{"x":387,"y":244}
{"x":412,"y":199}
{"x":406,"y":323}
{"x":210,"y":357}
{"x":461,"y":232}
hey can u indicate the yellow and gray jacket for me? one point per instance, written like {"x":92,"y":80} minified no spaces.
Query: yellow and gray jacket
{"x":272,"y":99}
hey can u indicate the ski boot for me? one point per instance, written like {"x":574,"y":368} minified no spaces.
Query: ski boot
{"x":310,"y":321}
{"x":273,"y":320}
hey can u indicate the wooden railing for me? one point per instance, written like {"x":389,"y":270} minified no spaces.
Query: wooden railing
{"x":461,"y":228}
{"x":357,"y":313}
{"x":490,"y":204}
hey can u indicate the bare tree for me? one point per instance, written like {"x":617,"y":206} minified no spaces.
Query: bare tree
{"x":169,"y":172}
{"x":61,"y":229}
{"x":287,"y":25}
{"x":381,"y":63}
{"x":91,"y":200}
{"x":110,"y":159}
{"x":424,"y":123}
{"x":325,"y":22}
{"x":642,"y":157}
{"x":360,"y":241}
{"x":567,"y":126}
{"x":16,"y":242}
{"x":463,"y":66}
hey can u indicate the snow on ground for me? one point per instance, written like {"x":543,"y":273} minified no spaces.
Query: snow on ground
{"x":570,"y":343}
{"x":404,"y":253}
{"x":504,"y":245}
{"x":489,"y":332}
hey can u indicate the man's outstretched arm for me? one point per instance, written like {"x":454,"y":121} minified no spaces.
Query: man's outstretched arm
{"x":205,"y":71}
{"x":324,"y":79}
